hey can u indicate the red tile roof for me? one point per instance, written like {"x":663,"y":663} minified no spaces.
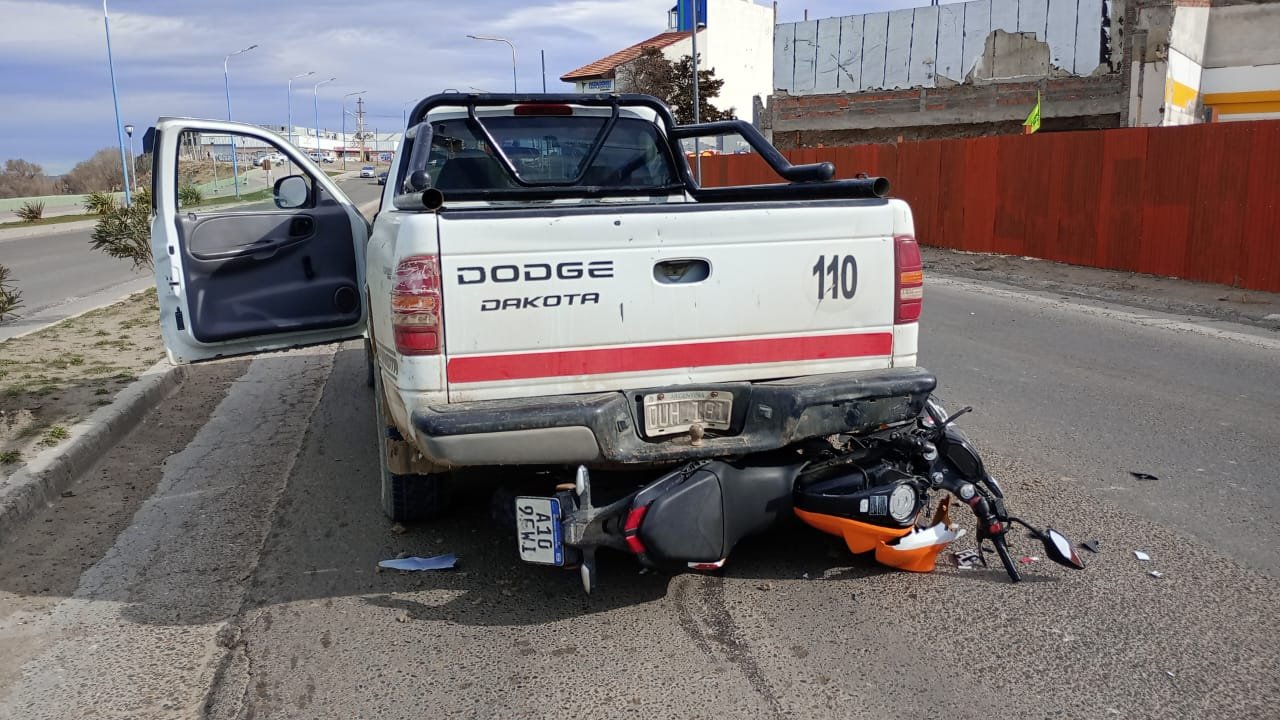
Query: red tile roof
{"x":604,"y":66}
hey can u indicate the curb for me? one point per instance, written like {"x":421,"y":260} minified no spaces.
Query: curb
{"x":21,"y":233}
{"x":48,"y":474}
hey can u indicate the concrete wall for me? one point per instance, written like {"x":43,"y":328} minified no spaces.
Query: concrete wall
{"x":940,"y":45}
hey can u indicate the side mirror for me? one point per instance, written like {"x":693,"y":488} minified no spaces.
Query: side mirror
{"x":292,"y":192}
{"x":1058,"y":549}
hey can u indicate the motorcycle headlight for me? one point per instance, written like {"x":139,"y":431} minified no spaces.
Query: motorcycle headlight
{"x":902,"y":503}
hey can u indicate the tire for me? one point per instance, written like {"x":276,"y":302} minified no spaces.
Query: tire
{"x":406,"y":498}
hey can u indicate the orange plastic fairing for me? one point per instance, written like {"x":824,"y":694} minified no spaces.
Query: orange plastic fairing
{"x":921,"y":559}
{"x":860,"y":537}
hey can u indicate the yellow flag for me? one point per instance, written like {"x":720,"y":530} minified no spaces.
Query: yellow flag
{"x":1033,"y":120}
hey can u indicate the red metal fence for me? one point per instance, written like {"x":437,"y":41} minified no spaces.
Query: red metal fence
{"x":1200,"y":202}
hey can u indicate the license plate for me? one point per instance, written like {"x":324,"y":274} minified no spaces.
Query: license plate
{"x":676,"y":412}
{"x":538,"y":528}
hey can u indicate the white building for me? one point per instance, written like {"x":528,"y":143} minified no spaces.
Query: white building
{"x":735,"y":40}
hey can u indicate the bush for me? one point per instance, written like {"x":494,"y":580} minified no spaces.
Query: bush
{"x":125,"y":233}
{"x":10,"y":298}
{"x":99,"y":203}
{"x":189,"y":195}
{"x":31,"y":211}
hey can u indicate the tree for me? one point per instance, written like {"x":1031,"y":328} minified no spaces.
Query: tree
{"x":672,"y":82}
{"x":102,"y":172}
{"x":21,"y":178}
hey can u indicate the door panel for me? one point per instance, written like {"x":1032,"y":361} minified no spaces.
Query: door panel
{"x":253,"y":274}
{"x":240,"y":265}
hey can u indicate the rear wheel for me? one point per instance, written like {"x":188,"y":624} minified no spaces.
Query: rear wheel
{"x":405,"y":498}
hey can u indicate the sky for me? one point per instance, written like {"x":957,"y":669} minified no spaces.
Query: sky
{"x":168,"y":58}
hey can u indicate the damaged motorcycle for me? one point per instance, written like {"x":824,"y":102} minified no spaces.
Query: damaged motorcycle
{"x":871,"y":490}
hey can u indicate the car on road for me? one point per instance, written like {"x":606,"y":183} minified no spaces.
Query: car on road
{"x":580,"y":301}
{"x":382,"y":178}
{"x":368,"y":171}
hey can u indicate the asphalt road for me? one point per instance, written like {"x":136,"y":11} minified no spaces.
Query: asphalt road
{"x":59,"y":275}
{"x":222,"y":563}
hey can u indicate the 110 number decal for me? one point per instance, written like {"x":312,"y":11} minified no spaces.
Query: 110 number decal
{"x":837,"y":277}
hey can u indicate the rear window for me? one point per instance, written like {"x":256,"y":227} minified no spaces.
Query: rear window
{"x":545,"y":151}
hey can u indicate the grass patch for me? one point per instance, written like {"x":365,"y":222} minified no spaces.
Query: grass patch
{"x":55,"y":220}
{"x":255,"y":196}
{"x":54,"y":435}
{"x":8,"y":457}
{"x":102,"y":391}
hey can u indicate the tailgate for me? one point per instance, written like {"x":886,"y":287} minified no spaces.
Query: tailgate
{"x":549,"y":302}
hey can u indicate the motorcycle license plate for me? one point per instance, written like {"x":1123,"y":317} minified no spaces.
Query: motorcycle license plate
{"x":538,"y":530}
{"x":676,"y":412}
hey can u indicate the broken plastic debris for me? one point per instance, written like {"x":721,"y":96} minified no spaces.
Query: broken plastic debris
{"x":1141,"y":555}
{"x":1028,"y":559}
{"x":1156,"y":574}
{"x":1169,"y":673}
{"x":439,"y":562}
{"x":1090,"y":545}
{"x":966,"y":559}
{"x":1143,"y":476}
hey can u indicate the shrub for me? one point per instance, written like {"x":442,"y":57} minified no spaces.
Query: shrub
{"x":189,"y":195}
{"x":125,"y":233}
{"x":31,"y":210}
{"x":10,"y":297}
{"x":99,"y":203}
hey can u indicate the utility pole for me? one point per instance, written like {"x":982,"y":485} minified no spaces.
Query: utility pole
{"x":544,"y":71}
{"x":360,"y":134}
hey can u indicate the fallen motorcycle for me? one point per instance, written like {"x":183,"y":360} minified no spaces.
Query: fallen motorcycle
{"x":871,"y":490}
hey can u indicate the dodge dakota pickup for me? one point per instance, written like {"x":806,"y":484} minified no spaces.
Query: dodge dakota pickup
{"x":547,"y":284}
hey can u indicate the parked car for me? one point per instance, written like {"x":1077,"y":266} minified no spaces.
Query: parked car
{"x":368,"y":171}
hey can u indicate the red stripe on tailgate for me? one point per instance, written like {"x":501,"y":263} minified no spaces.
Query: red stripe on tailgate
{"x":637,"y":358}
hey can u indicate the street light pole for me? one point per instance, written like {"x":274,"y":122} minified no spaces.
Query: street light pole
{"x":344,"y":125}
{"x":289,"y":129}
{"x":133,"y":164}
{"x":514,"y":82}
{"x":115,"y":97}
{"x":315,"y":99}
{"x":696,"y":115}
{"x":404,"y":113}
{"x":226,"y":83}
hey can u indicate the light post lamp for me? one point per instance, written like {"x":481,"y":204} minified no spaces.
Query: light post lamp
{"x":514,"y":87}
{"x":315,"y":100}
{"x":404,"y":113}
{"x":133,"y":164}
{"x":226,"y":83}
{"x":696,"y":115}
{"x":289,"y":130}
{"x":344,"y":125}
{"x":115,"y":97}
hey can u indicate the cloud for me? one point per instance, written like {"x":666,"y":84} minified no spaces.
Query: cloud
{"x":168,"y":58}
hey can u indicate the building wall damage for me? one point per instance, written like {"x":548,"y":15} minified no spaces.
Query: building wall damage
{"x":977,"y":68}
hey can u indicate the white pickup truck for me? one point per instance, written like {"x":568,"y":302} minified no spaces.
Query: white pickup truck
{"x":546,"y":284}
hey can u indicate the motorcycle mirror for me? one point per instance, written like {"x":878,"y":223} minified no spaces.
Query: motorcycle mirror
{"x":1059,"y":549}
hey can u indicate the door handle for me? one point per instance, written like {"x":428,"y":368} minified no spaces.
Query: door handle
{"x":681,"y":271}
{"x":301,"y":226}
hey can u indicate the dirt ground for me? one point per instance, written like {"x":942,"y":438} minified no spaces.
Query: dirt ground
{"x":1169,"y":295}
{"x":51,"y":379}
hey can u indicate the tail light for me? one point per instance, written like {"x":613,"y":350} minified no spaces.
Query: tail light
{"x":631,"y":529}
{"x":909,"y":280}
{"x":543,"y":109}
{"x":416,"y":306}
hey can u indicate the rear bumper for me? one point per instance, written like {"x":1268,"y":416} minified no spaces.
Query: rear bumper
{"x":606,"y":428}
